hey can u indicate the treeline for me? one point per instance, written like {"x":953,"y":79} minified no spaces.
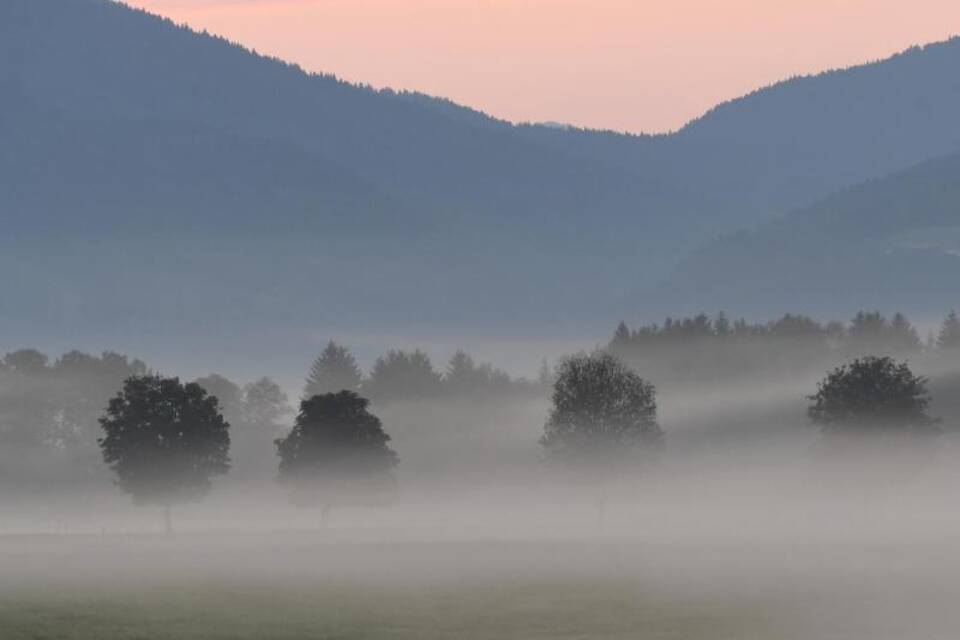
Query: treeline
{"x":50,"y":410}
{"x":50,"y":407}
{"x":166,"y":441}
{"x":57,"y":403}
{"x":410,"y":375}
{"x":701,"y":346}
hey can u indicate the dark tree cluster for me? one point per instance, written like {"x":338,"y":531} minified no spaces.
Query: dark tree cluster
{"x":866,"y":330}
{"x":702,"y":347}
{"x":409,"y":376}
{"x":50,"y":411}
{"x":56,"y":405}
{"x":872,"y":394}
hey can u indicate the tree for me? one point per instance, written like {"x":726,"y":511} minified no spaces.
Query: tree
{"x":334,"y":369}
{"x":399,"y":375}
{"x":603,"y":419}
{"x":26,"y":362}
{"x":465,"y":377}
{"x":336,"y":453}
{"x":872,"y":395}
{"x":949,"y":337}
{"x":263,"y":408}
{"x":721,"y":325}
{"x":228,"y":394}
{"x":602,"y":412}
{"x":867,"y":333}
{"x":621,"y":338}
{"x":264,"y":404}
{"x":83,"y":384}
{"x":164,"y":441}
{"x":903,"y":336}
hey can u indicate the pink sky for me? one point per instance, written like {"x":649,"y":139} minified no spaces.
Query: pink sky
{"x":636,"y":65}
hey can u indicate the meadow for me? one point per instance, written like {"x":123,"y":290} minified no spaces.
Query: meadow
{"x":360,"y":584}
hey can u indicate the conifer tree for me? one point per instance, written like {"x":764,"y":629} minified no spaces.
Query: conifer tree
{"x":335,"y":369}
{"x":949,"y":337}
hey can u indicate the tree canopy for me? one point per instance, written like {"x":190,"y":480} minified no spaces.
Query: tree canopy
{"x":336,"y":452}
{"x":335,"y":369}
{"x":164,"y":440}
{"x":871,"y":394}
{"x":601,"y":411}
{"x":403,"y":375}
{"x":949,"y":337}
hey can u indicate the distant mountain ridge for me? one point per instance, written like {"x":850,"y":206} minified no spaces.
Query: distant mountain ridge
{"x":886,"y":242}
{"x":138,"y":151}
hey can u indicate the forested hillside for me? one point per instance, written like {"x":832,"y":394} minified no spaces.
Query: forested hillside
{"x":203,"y":181}
{"x":893,"y":239}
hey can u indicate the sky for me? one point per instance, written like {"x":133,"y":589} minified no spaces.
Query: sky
{"x":640,"y":65}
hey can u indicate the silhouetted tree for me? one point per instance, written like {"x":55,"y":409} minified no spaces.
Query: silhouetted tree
{"x":872,"y":395}
{"x":334,"y":369}
{"x":82,"y":385}
{"x":867,"y":333}
{"x":603,"y":419}
{"x":57,"y":407}
{"x":228,"y":394}
{"x":26,"y":362}
{"x":903,"y":336}
{"x":164,"y":441}
{"x":28,"y":409}
{"x":602,"y":411}
{"x":721,"y":325}
{"x":621,"y":338}
{"x":260,"y":408}
{"x":462,"y":374}
{"x":399,"y":375}
{"x":797,"y":328}
{"x":949,"y":337}
{"x":336,"y":453}
{"x":465,"y":377}
{"x":264,"y":404}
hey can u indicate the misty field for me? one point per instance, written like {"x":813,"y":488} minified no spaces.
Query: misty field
{"x":298,"y":587}
{"x":214,"y":610}
{"x":321,"y":585}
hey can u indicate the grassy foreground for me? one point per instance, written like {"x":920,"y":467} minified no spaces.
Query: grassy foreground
{"x":218,"y":610}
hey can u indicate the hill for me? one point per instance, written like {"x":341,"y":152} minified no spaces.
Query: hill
{"x":160,"y":182}
{"x":886,"y":243}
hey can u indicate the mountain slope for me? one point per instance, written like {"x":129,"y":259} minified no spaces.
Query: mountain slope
{"x":788,"y":145}
{"x":891,"y":243}
{"x":154,"y":180}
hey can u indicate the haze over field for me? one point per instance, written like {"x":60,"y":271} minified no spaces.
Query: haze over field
{"x":284,"y":355}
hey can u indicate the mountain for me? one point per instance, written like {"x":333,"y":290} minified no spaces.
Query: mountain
{"x":165,"y":185}
{"x":788,"y":145}
{"x":890,"y":243}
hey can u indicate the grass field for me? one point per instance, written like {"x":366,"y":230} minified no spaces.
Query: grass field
{"x":290,"y":588}
{"x":210,"y":611}
{"x":307,"y":586}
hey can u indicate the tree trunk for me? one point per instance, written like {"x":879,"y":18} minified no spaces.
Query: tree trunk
{"x":167,"y":520}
